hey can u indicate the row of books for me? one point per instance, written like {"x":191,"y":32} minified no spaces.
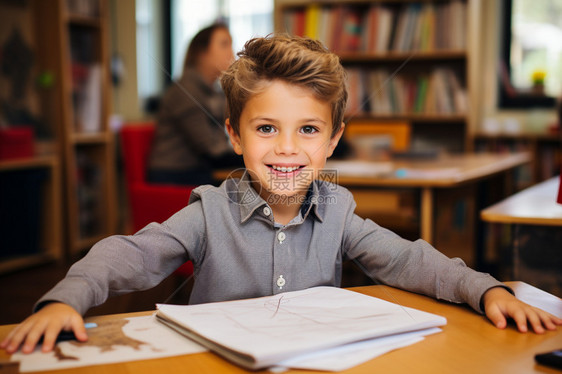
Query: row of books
{"x":87,"y":77}
{"x":379,"y":92}
{"x":382,"y":28}
{"x":87,"y":97}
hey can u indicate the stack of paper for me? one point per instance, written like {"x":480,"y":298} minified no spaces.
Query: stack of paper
{"x":294,"y":328}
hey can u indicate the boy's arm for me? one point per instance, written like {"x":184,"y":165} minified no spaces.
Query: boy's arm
{"x":122,"y":264}
{"x":418,"y":267}
{"x":414,"y":266}
{"x":115,"y":265}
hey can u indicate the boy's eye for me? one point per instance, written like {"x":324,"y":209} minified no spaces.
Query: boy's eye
{"x":309,"y":129}
{"x":266,"y":129}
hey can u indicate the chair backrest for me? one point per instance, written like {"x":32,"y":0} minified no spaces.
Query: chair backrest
{"x":136,"y":140}
{"x":399,"y":132}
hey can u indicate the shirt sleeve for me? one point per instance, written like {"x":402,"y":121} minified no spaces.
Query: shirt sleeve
{"x":413,"y":266}
{"x":120,"y":264}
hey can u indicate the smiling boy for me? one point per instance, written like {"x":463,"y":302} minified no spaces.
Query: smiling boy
{"x":284,"y":150}
{"x":277,"y":229}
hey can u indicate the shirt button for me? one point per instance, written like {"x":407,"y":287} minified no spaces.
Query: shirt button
{"x":280,"y":282}
{"x":267,"y":211}
{"x":281,"y":236}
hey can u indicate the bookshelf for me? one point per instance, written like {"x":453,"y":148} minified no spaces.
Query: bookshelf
{"x":408,"y":60}
{"x":30,"y":169}
{"x":76,"y":32}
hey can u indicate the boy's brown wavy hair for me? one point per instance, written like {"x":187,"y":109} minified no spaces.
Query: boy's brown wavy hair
{"x":300,"y":61}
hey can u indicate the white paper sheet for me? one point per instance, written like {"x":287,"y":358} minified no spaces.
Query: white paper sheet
{"x":350,"y":355}
{"x":141,"y":338}
{"x":274,"y":328}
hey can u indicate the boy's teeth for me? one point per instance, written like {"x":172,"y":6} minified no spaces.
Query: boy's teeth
{"x":285,"y":169}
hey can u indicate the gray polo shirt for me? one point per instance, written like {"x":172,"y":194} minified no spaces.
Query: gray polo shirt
{"x":239,"y":251}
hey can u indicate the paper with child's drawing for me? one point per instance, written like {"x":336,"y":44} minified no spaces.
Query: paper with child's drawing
{"x":116,"y":340}
{"x":262,"y":332}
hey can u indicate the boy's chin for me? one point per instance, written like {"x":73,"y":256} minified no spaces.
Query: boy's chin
{"x":286,"y":197}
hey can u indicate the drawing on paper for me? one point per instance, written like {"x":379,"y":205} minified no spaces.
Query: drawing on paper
{"x":119,"y":340}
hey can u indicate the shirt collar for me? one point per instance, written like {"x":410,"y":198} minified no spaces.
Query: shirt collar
{"x":249,"y":200}
{"x":311,"y":202}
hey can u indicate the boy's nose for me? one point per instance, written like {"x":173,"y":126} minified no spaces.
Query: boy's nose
{"x":286,"y":144}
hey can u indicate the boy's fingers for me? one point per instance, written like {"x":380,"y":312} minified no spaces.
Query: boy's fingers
{"x":556,"y":320}
{"x":496,"y":316}
{"x":16,"y":336}
{"x":520,"y":319}
{"x":535,"y":321}
{"x":77,"y":325}
{"x":33,"y":336}
{"x":50,"y":337}
{"x":549,"y":321}
{"x":8,"y":338}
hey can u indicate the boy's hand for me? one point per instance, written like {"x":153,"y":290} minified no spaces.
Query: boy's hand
{"x":47,"y":322}
{"x":499,"y":304}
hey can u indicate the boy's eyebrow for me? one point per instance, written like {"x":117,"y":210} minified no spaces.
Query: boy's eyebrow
{"x":262,"y":118}
{"x":314,"y":119}
{"x":268,"y":119}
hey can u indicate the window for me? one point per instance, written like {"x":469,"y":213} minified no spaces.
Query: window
{"x":165,"y":28}
{"x":531,"y":54}
{"x":150,"y":55}
{"x":245,"y":19}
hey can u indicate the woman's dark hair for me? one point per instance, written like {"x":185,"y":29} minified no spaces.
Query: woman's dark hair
{"x":200,"y":43}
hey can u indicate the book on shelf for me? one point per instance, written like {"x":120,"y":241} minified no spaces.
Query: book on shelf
{"x":87,"y":78}
{"x":382,"y":27}
{"x":378,"y":92}
{"x":267,"y":331}
{"x":312,"y":21}
{"x":89,"y":104}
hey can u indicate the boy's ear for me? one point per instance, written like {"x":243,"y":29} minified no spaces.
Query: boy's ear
{"x":234,"y":137}
{"x":334,"y":140}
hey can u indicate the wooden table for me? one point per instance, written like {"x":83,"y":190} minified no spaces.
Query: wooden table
{"x":469,"y":343}
{"x":535,"y":205}
{"x":444,"y":172}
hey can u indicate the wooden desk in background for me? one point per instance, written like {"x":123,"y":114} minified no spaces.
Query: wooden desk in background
{"x":428,"y":176}
{"x":445,"y":172}
{"x":534,"y":206}
{"x":469,"y":343}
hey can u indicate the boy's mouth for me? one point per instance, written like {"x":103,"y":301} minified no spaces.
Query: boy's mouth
{"x":285,"y":169}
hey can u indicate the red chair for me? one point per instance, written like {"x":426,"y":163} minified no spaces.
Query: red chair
{"x":149,"y":202}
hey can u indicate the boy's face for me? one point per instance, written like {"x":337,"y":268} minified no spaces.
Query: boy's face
{"x":284,"y":139}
